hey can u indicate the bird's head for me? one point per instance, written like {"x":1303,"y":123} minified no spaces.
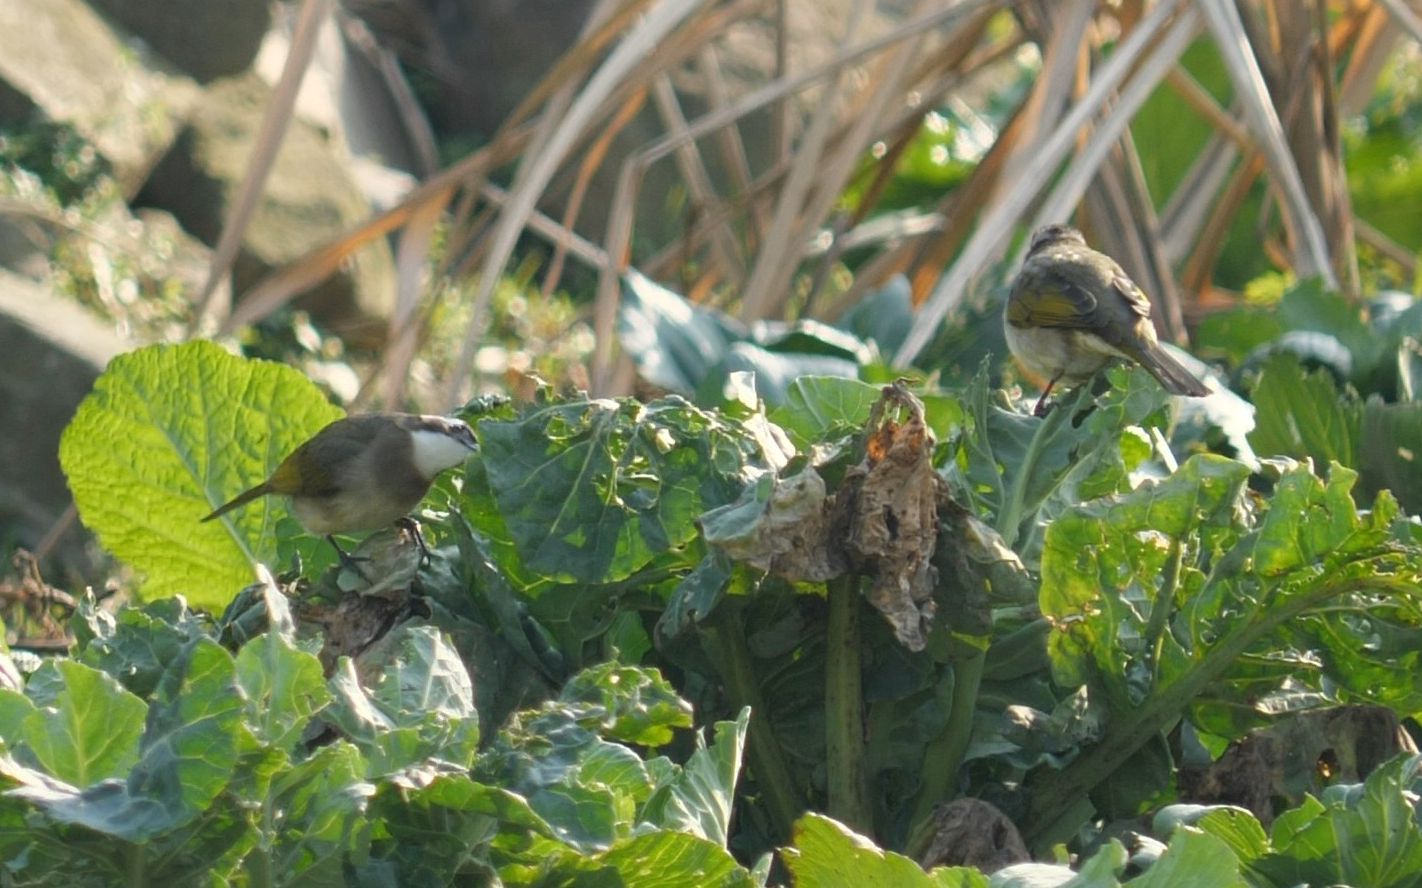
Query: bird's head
{"x":439,"y":442}
{"x":1051,"y":235}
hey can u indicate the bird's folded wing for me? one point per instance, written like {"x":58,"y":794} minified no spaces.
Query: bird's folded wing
{"x":1132,"y":294}
{"x":1045,"y":298}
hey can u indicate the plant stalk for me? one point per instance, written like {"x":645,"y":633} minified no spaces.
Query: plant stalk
{"x":135,"y":864}
{"x":1009,"y":518}
{"x":944,"y":755}
{"x":727,"y":639}
{"x":1134,"y":729}
{"x":1162,"y":606}
{"x":844,"y":708}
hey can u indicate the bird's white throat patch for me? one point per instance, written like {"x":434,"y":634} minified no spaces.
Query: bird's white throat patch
{"x":433,"y":452}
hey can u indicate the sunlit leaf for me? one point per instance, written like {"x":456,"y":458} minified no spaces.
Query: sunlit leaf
{"x":169,"y":433}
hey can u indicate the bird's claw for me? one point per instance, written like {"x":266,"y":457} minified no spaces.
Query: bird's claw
{"x":349,"y":560}
{"x":412,"y":527}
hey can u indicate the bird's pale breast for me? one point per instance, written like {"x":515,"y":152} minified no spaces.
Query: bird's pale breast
{"x":1069,"y":356}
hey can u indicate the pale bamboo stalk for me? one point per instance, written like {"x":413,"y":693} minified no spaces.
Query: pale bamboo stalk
{"x":617,"y":241}
{"x":996,"y":224}
{"x":884,"y":115}
{"x":1048,"y":99}
{"x":411,"y":261}
{"x":280,"y":286}
{"x":541,"y":164}
{"x":264,"y":151}
{"x":733,"y":150}
{"x":553,"y":231}
{"x":407,"y":106}
{"x":692,"y":167}
{"x":1374,"y":43}
{"x":1204,"y":104}
{"x":780,"y":114}
{"x":769,"y":269}
{"x":839,"y":162}
{"x":1195,"y":276}
{"x":592,"y":161}
{"x":771,"y":92}
{"x":1387,"y":246}
{"x":1083,"y":167}
{"x":1312,"y":257}
{"x":1188,"y":207}
{"x":1405,"y":17}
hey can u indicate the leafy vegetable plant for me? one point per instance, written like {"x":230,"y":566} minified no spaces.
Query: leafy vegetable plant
{"x":667,"y":644}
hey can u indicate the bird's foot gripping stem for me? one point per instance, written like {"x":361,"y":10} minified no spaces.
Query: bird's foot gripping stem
{"x":349,"y":560}
{"x":1040,"y":409}
{"x":412,"y":527}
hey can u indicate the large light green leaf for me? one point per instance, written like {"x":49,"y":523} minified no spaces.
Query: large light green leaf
{"x":819,"y":408}
{"x":187,"y":755}
{"x":86,"y":727}
{"x":446,"y":826}
{"x":825,"y":852}
{"x":699,"y":799}
{"x":1104,"y":564}
{"x":283,"y":689}
{"x":1359,"y":835}
{"x":1307,"y":521}
{"x":1024,"y":470}
{"x":169,"y":433}
{"x":1157,"y":596}
{"x":1193,"y":859}
{"x":627,"y":704}
{"x":1302,"y":414}
{"x":421,"y":707}
{"x":591,"y":491}
{"x":662,"y":860}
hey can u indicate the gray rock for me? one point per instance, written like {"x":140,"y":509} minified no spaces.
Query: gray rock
{"x":25,"y":242}
{"x":309,"y":199}
{"x":206,"y":38}
{"x":60,"y":58}
{"x":51,"y":351}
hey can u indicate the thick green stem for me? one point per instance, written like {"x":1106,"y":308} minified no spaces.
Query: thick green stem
{"x":1009,"y":517}
{"x":844,"y":708}
{"x":1163,"y":606}
{"x":1133,"y":729}
{"x":944,"y":755}
{"x":135,"y":864}
{"x":727,"y":640}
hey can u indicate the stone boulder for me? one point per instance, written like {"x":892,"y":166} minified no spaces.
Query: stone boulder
{"x":206,"y":38}
{"x":51,"y":351}
{"x":60,"y":59}
{"x":309,"y":199}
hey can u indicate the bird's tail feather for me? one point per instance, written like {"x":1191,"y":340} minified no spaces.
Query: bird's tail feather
{"x":1171,"y":374}
{"x":240,"y":500}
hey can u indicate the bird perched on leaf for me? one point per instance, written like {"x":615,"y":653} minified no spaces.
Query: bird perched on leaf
{"x":364,"y":473}
{"x":1072,"y":310}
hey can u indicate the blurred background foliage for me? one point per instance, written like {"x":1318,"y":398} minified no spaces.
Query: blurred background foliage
{"x":681,"y":189}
